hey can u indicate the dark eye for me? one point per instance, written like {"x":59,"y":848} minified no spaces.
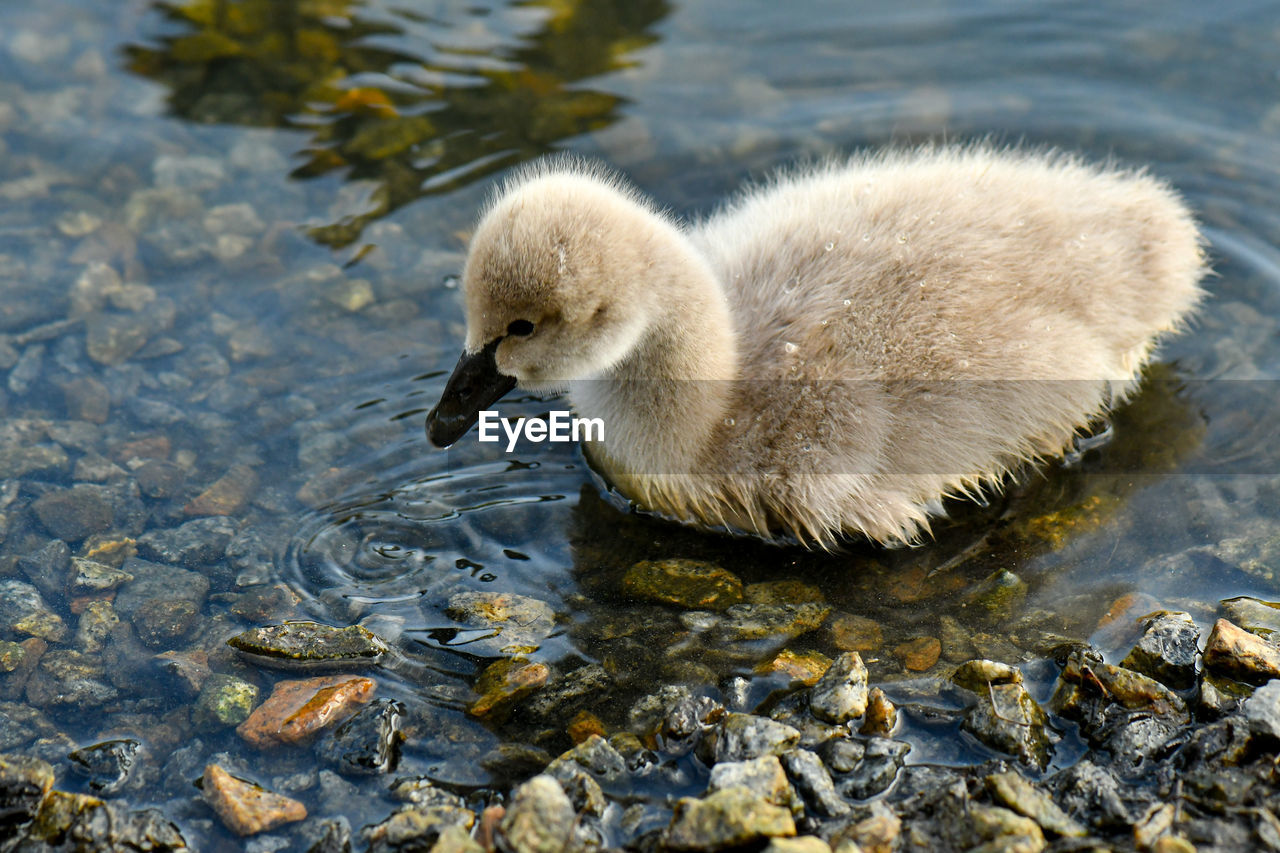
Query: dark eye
{"x":520,"y":328}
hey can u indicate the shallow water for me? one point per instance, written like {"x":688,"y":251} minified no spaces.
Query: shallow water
{"x":305,"y":330}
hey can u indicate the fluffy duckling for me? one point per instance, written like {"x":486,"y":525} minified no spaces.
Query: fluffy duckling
{"x":833,"y":351}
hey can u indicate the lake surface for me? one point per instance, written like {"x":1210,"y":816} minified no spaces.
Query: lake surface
{"x":230,"y":235}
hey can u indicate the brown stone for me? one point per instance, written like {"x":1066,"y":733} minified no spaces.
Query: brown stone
{"x":151,"y":447}
{"x":850,"y":633}
{"x":919,"y":654}
{"x":504,"y":683}
{"x":297,"y":710}
{"x":1233,"y":651}
{"x":226,"y":495}
{"x":691,"y":584}
{"x":246,"y":808}
{"x":584,"y":725}
{"x":806,"y":667}
{"x":881,"y":715}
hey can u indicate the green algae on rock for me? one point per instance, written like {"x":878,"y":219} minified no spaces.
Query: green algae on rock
{"x":302,"y":645}
{"x":691,"y":584}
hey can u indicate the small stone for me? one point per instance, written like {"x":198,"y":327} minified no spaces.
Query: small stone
{"x":297,"y":710}
{"x":841,"y":693}
{"x":24,"y":783}
{"x":413,"y":828}
{"x":24,"y":612}
{"x":804,"y":844}
{"x":728,"y":818}
{"x":227,"y":495}
{"x":505,"y":682}
{"x":1257,"y":617}
{"x":1233,"y":651}
{"x":61,"y":812}
{"x":783,"y":592}
{"x":691,"y":584}
{"x":976,"y":675}
{"x":1262,"y":710}
{"x":512,"y":624}
{"x":107,"y":765}
{"x":1007,"y":719}
{"x":159,"y":479}
{"x":189,"y":668}
{"x":763,"y":776}
{"x":12,"y":656}
{"x":262,"y":603}
{"x":154,"y":582}
{"x":1167,"y":650}
{"x":875,"y":834}
{"x":1157,"y":822}
{"x":72,"y":514}
{"x":919,"y":654}
{"x":740,"y":737}
{"x":224,"y":701}
{"x":1000,"y":594}
{"x":368,"y":744}
{"x":160,"y":623}
{"x":539,"y":819}
{"x":305,"y":643}
{"x":199,"y":542}
{"x":813,"y":782}
{"x":881,"y":716}
{"x":188,"y":172}
{"x":69,"y":678}
{"x":96,"y":627}
{"x":47,"y":567}
{"x":1005,"y":830}
{"x":1026,"y":799}
{"x":777,"y":623}
{"x":87,"y":399}
{"x":245,"y":808}
{"x":110,"y":827}
{"x":584,"y":725}
{"x":351,"y":295}
{"x":851,"y":633}
{"x":110,"y":339}
{"x":89,"y":577}
{"x":881,"y":760}
{"x":805,"y":667}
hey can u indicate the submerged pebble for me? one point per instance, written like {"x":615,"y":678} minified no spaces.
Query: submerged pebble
{"x":306,"y":644}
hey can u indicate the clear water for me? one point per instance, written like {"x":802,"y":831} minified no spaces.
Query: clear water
{"x":363,"y":136}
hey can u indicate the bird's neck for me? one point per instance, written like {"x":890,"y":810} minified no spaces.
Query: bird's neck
{"x":664,"y":403}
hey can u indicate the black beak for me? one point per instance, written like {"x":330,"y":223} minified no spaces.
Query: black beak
{"x":475,"y":384}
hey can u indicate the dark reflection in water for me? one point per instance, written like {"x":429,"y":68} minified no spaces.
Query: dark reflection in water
{"x":399,"y":98}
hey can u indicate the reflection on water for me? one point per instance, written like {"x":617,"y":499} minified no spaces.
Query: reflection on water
{"x":419,"y":103}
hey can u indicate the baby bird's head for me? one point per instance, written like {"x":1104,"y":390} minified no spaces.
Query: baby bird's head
{"x":555,"y":288}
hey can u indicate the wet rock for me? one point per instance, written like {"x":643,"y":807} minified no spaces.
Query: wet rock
{"x":47,"y":567}
{"x":504,"y":683}
{"x":71,"y":679}
{"x":23,"y":661}
{"x":89,"y":577}
{"x":1262,"y":710}
{"x":851,"y":633}
{"x":1002,"y":829}
{"x":803,"y":844}
{"x":778,"y":623}
{"x":198,"y":542}
{"x":245,"y":808}
{"x":24,"y":783}
{"x":1085,"y":680}
{"x":691,"y":584}
{"x":841,"y":693}
{"x":1167,"y":650}
{"x":806,"y":666}
{"x":1007,"y":719}
{"x":111,"y":827}
{"x":728,"y":818}
{"x":764,"y":777}
{"x":72,"y":514}
{"x":1257,"y":617}
{"x":303,"y":644}
{"x":1026,"y":799}
{"x":265,"y":603}
{"x":881,"y":715}
{"x":421,"y":791}
{"x":106,"y":765}
{"x":27,"y":370}
{"x":413,"y":828}
{"x":23,"y":612}
{"x":594,"y":755}
{"x":919,"y":654}
{"x":188,"y":172}
{"x":1139,"y":739}
{"x":12,"y":656}
{"x":1087,"y":789}
{"x":110,"y":339}
{"x":224,"y":701}
{"x":568,"y":693}
{"x":188,"y":669}
{"x":1220,"y":696}
{"x":540,"y":818}
{"x":505,"y":623}
{"x":585,"y":725}
{"x":297,"y":710}
{"x":1233,"y":651}
{"x":227,"y":495}
{"x":87,"y":399}
{"x":59,"y":813}
{"x":96,"y":626}
{"x":160,"y":623}
{"x":977,"y":675}
{"x":510,"y":762}
{"x":842,"y":754}
{"x":740,"y":737}
{"x":877,"y":833}
{"x":813,"y":782}
{"x":881,"y":760}
{"x":1000,"y":594}
{"x":157,"y":582}
{"x":160,"y":479}
{"x":334,"y":837}
{"x":367,"y":744}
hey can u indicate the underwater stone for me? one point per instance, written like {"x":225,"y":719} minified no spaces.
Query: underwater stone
{"x":69,"y":678}
{"x":198,"y":542}
{"x":155,"y":582}
{"x":367,"y":744}
{"x":72,"y":514}
{"x":111,"y":339}
{"x":516,"y":624}
{"x":1167,"y":650}
{"x":245,"y":808}
{"x":882,"y":758}
{"x":159,"y":623}
{"x":24,"y":783}
{"x":96,"y":626}
{"x":107,"y":765}
{"x":24,"y":612}
{"x":566,"y":694}
{"x":89,"y":577}
{"x":298,"y":644}
{"x":851,"y":633}
{"x":505,"y":682}
{"x":841,"y":693}
{"x":297,"y":710}
{"x":728,"y":818}
{"x":224,"y":701}
{"x":1007,"y":719}
{"x":111,"y":827}
{"x":1257,"y":617}
{"x":775,"y":622}
{"x":226,"y":495}
{"x":594,"y":755}
{"x":805,"y":667}
{"x":919,"y":654}
{"x":691,"y":584}
{"x":415,"y":828}
{"x":47,"y":567}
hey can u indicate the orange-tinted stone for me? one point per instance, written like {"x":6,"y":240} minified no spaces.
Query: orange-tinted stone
{"x":246,"y":808}
{"x":297,"y":710}
{"x":919,"y":654}
{"x":226,"y":495}
{"x":806,"y":667}
{"x":505,"y":682}
{"x":584,"y":725}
